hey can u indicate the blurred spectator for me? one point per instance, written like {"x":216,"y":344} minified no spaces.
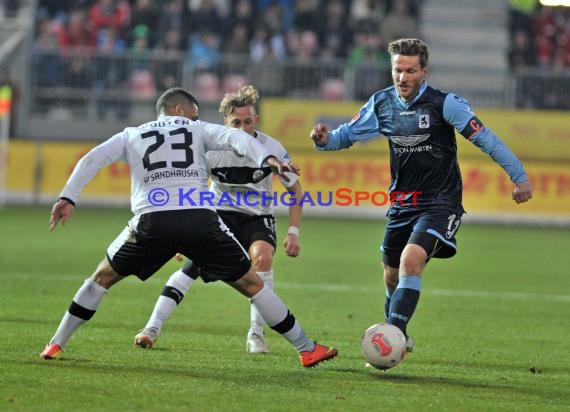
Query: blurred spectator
{"x":544,"y":30}
{"x":367,"y":14}
{"x":204,"y":53}
{"x":224,"y":7}
{"x":77,"y":31}
{"x":144,"y":13}
{"x":45,"y":55}
{"x":244,"y":11}
{"x":140,"y":49}
{"x":371,"y":61}
{"x":174,"y":14}
{"x":414,"y":7}
{"x":141,"y":80}
{"x":304,"y":46}
{"x":286,"y":11}
{"x":274,"y":18}
{"x":77,"y":42}
{"x":266,"y":46}
{"x":307,"y":15}
{"x":558,"y":97}
{"x":561,"y":60}
{"x":206,"y":87}
{"x":110,"y":14}
{"x":206,"y":18}
{"x":399,"y":22}
{"x":167,"y":65}
{"x":332,"y":89}
{"x":335,"y":35}
{"x":233,"y":82}
{"x":520,"y":14}
{"x":111,"y":75}
{"x":55,"y":8}
{"x":237,"y":42}
{"x":522,"y":53}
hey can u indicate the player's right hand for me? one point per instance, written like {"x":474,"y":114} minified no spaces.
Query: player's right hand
{"x":522,"y":192}
{"x":61,"y":210}
{"x":280,"y":168}
{"x":319,"y":134}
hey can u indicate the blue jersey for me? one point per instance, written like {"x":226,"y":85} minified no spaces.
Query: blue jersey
{"x":423,"y":149}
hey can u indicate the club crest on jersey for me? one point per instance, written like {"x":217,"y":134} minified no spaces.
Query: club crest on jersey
{"x":258,"y":175}
{"x":423,"y":121}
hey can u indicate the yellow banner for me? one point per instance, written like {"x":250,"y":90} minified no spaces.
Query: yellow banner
{"x":529,"y":134}
{"x":350,"y":175}
{"x":49,"y":165}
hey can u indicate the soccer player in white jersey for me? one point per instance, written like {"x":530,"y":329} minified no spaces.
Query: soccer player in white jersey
{"x":169,"y":178}
{"x":252,"y":220}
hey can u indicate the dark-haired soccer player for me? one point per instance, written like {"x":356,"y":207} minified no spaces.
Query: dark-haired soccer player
{"x":419,"y":123}
{"x":166,"y":158}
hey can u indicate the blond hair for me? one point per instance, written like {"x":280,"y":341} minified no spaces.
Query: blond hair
{"x":245,"y":96}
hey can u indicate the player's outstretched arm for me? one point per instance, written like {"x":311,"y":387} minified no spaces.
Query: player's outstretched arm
{"x":522,"y":192}
{"x":61,"y":210}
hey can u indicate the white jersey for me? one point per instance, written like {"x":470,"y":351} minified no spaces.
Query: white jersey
{"x":167,"y":161}
{"x":240,"y":184}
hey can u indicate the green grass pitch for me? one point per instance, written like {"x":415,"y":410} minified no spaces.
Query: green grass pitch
{"x":492,"y":328}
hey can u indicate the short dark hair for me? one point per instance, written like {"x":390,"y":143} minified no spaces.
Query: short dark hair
{"x":410,"y":47}
{"x":172,"y":97}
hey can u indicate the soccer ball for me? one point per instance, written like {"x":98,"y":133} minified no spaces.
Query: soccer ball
{"x":383,"y":345}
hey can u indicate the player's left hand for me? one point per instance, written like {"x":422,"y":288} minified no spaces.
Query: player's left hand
{"x":522,"y":192}
{"x":61,"y":210}
{"x":291,"y":245}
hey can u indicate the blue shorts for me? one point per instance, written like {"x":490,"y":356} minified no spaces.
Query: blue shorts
{"x":434,"y":229}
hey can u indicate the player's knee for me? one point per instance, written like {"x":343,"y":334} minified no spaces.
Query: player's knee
{"x":262,"y":256}
{"x":249,"y":284}
{"x":105,"y":275}
{"x":413,"y":260}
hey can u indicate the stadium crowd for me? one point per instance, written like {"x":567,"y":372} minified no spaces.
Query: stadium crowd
{"x":201,"y":33}
{"x":540,"y":38}
{"x":139,"y":48}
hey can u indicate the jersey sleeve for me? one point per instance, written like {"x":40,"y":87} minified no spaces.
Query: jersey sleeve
{"x":364,"y":126}
{"x":458,"y":112}
{"x":108,"y":152}
{"x":238,"y":141}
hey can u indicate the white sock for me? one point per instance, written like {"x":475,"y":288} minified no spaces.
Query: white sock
{"x":275,"y":312}
{"x":165,"y":305}
{"x":257,"y":321}
{"x":88,"y":297}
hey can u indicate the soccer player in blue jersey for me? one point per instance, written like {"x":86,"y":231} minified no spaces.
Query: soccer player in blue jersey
{"x":419,"y":123}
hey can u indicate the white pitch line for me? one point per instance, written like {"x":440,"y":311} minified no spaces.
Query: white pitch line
{"x":434,"y":292}
{"x":375,"y":289}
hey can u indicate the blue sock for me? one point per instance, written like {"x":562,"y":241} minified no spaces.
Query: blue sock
{"x":404,"y":301}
